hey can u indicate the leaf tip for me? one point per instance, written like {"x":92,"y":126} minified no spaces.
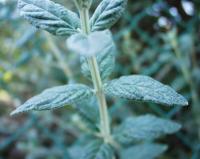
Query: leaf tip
{"x":178,"y":127}
{"x":164,"y":148}
{"x":18,"y":110}
{"x":13,"y":113}
{"x":184,"y":102}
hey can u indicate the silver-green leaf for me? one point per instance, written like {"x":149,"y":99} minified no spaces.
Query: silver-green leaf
{"x":105,"y":58}
{"x":107,"y":14}
{"x":90,"y":45}
{"x":89,"y":113}
{"x":50,"y":16}
{"x":143,"y":151}
{"x":146,"y":127}
{"x":98,"y":150}
{"x":56,"y":97}
{"x":144,"y":88}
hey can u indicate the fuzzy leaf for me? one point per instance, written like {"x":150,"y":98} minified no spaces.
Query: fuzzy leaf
{"x":105,"y":58}
{"x":98,"y":150}
{"x":145,"y":127}
{"x":50,"y":16}
{"x":143,"y":151}
{"x":90,"y":45}
{"x":107,"y":14}
{"x":144,"y":88}
{"x":56,"y":97}
{"x":89,"y":113}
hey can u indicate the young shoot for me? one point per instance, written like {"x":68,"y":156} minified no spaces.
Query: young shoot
{"x":89,"y":37}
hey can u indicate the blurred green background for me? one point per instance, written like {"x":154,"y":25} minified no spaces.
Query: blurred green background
{"x":159,"y":38}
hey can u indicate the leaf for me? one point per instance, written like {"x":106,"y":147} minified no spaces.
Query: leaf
{"x":56,"y":97}
{"x":146,"y":127}
{"x":143,"y":151}
{"x":98,"y":150}
{"x":105,"y":59}
{"x":90,"y":45}
{"x":107,"y":14}
{"x":50,"y":16}
{"x":89,"y":113}
{"x":89,"y":110}
{"x":144,"y":88}
{"x":75,"y":151}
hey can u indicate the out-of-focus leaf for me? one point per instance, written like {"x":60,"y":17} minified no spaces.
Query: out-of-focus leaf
{"x":90,"y":45}
{"x":143,"y":151}
{"x":144,"y":88}
{"x":27,"y":35}
{"x":98,"y":150}
{"x":107,"y":13}
{"x":76,"y":151}
{"x":49,"y":16}
{"x":145,"y":127}
{"x":56,"y":97}
{"x":89,"y":113}
{"x":105,"y":58}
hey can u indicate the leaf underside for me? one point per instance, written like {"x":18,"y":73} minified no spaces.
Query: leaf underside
{"x":144,"y":88}
{"x":146,"y":127}
{"x":56,"y":97}
{"x":50,"y":16}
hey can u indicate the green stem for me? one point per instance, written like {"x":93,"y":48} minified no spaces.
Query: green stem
{"x":97,"y":82}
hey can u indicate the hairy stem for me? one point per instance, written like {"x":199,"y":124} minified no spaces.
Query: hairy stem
{"x":97,"y":82}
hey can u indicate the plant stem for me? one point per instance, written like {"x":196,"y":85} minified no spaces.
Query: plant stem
{"x":97,"y":82}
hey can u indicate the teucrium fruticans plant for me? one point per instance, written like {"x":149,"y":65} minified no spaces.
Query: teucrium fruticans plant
{"x":91,"y":39}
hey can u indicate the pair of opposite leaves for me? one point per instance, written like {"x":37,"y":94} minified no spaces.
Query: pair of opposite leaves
{"x":56,"y":19}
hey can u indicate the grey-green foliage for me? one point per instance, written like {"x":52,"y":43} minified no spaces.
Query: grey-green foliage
{"x":145,"y":127}
{"x":90,"y":45}
{"x":49,"y":16}
{"x":143,"y":151}
{"x":54,"y":18}
{"x":76,"y":151}
{"x":105,"y":57}
{"x":89,"y":113}
{"x":56,"y":97}
{"x":107,"y":13}
{"x":144,"y":88}
{"x":89,"y":109}
{"x":97,"y":149}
